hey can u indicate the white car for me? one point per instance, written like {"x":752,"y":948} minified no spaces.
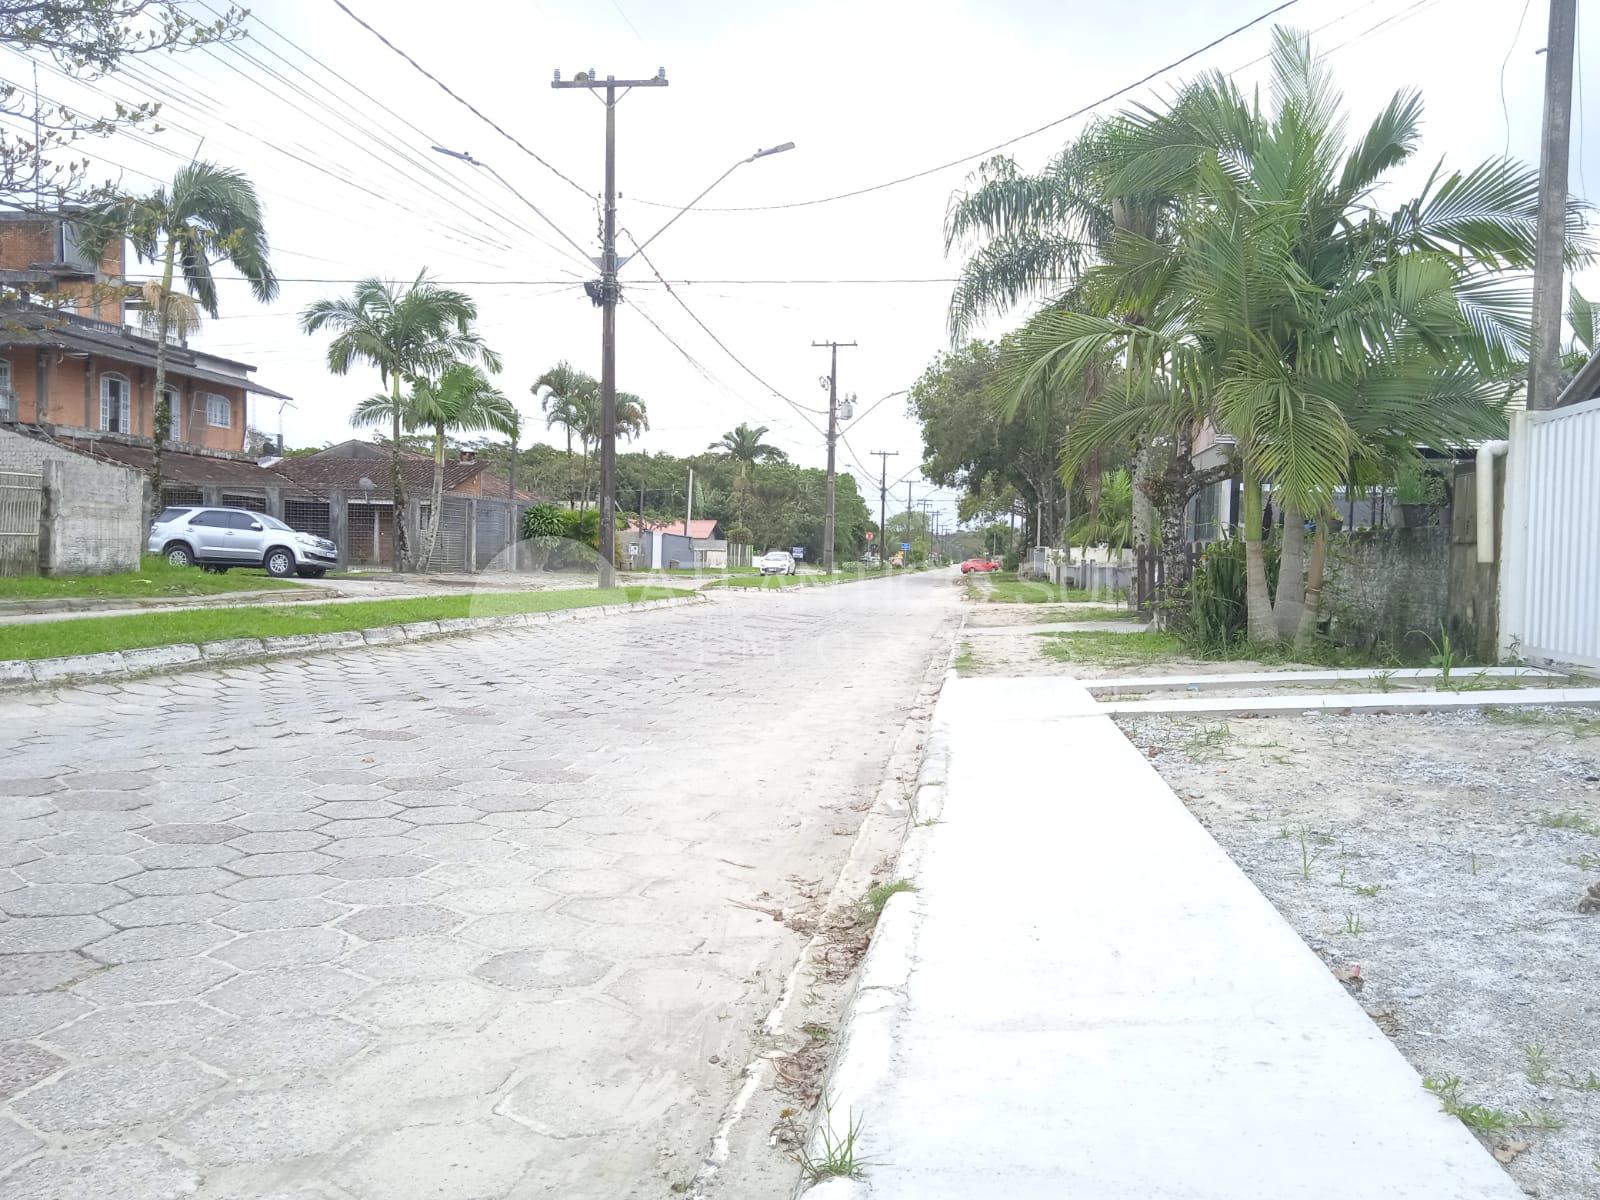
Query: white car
{"x":776,"y":562}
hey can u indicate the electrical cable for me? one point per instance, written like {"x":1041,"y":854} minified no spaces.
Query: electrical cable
{"x":671,"y":291}
{"x":420,"y":69}
{"x":966,"y":158}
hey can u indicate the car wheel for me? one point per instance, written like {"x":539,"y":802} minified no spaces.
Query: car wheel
{"x":178,"y":554}
{"x":279,"y":562}
{"x":312,"y":572}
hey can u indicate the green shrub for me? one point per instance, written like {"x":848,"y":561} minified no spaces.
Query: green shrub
{"x":543,"y":521}
{"x":1217,"y":594}
{"x":1012,"y":561}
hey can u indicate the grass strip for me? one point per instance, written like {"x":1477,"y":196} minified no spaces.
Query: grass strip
{"x":96,"y":635}
{"x":1111,"y":649}
{"x":154,"y":579}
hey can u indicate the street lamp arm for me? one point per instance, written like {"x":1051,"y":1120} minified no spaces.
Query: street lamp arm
{"x":707,"y":189}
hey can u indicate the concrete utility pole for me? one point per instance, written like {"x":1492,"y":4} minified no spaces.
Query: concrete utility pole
{"x":604,"y":294}
{"x":1544,"y":363}
{"x":688,"y":503}
{"x":883,"y":502}
{"x":830,"y":516}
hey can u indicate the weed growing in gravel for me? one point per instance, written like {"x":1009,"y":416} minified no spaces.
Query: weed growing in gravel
{"x":1481,"y":1116}
{"x":1585,"y":862}
{"x":839,"y":1156}
{"x":1307,"y":859}
{"x":1369,"y":890}
{"x":816,"y":1032}
{"x":1538,"y":1068}
{"x":1561,"y":722}
{"x":1383,"y":680}
{"x":1212,"y":737}
{"x":1111,"y":649}
{"x":1570,"y":820}
{"x":966,"y":661}
{"x":878,"y":895}
{"x":1352,"y":923}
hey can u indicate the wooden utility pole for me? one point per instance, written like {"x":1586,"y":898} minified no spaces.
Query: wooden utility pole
{"x":830,"y":516}
{"x":883,"y":503}
{"x":1544,"y":362}
{"x":605,"y":296}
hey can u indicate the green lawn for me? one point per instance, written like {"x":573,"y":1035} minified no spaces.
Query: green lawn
{"x":809,"y":579}
{"x":1008,"y":589}
{"x":154,"y":578}
{"x":1099,"y":613}
{"x":93,"y":635}
{"x":1112,"y":649}
{"x":694,"y":572}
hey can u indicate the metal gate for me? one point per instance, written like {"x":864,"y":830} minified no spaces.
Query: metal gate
{"x":21,"y":496}
{"x":1550,"y":563}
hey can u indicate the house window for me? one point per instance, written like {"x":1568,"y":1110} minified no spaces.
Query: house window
{"x":115,"y":396}
{"x":8,"y":398}
{"x":175,"y":409}
{"x":219,"y":411}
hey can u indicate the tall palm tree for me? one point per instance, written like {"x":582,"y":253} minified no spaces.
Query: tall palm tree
{"x":409,"y":333}
{"x":1287,"y":309}
{"x":462,"y":400}
{"x":209,"y":214}
{"x":562,"y":392}
{"x":743,"y":444}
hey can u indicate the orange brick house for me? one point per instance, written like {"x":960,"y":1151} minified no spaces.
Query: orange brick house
{"x":72,"y":365}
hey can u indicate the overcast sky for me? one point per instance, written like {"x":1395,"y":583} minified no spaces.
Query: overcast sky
{"x":868,"y":90}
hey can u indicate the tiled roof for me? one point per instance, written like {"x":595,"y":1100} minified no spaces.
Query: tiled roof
{"x":182,"y":467}
{"x":327,"y":469}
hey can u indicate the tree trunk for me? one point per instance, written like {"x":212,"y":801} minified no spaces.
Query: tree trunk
{"x":436,"y":508}
{"x":1144,"y":510}
{"x":163,"y":411}
{"x":1258,"y":599}
{"x":1307,"y":632}
{"x":397,"y":482}
{"x":1290,"y":599}
{"x":1172,"y":607}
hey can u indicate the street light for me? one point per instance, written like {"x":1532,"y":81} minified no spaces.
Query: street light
{"x":770,"y":150}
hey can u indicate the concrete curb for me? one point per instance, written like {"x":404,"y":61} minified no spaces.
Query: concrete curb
{"x":21,"y":674}
{"x":866,"y":1035}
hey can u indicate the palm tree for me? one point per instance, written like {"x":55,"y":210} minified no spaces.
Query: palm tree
{"x":209,"y":214}
{"x":562,"y":392}
{"x":744,"y":445}
{"x":409,"y":334}
{"x":461,"y":401}
{"x":1287,"y":309}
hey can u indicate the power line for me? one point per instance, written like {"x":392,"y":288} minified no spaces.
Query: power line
{"x":468,"y":105}
{"x":745,"y":367}
{"x":966,"y":158}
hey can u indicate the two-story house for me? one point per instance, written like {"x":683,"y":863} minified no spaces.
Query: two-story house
{"x":68,"y":362}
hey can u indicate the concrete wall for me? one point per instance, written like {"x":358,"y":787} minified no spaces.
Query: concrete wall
{"x":92,"y":522}
{"x":1388,"y":586}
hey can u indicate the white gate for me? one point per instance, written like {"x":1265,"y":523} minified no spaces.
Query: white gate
{"x":1550,"y":565}
{"x":21,"y":494}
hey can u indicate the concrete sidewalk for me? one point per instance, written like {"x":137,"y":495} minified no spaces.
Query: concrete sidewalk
{"x":1085,"y":998}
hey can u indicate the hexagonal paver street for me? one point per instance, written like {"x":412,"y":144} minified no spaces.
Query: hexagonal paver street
{"x":455,"y":920}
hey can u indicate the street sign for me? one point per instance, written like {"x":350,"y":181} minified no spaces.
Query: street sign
{"x":870,"y":535}
{"x":905,"y":545}
{"x":798,"y":552}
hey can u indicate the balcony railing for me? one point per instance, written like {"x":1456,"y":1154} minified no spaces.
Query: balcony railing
{"x":8,"y":405}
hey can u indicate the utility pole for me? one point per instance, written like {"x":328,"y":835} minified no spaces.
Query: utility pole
{"x":688,"y":503}
{"x":830,"y":515}
{"x":605,"y":295}
{"x":1544,"y":363}
{"x":908,"y":521}
{"x":883,"y":503}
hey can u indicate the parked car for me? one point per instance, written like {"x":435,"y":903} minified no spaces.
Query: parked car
{"x":979,"y":564}
{"x":776,"y":562}
{"x":219,"y":538}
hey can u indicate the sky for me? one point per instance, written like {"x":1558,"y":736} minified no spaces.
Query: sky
{"x":335,"y":130}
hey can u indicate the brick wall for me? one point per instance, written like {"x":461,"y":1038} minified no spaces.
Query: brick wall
{"x":1388,"y":586}
{"x":93,"y":517}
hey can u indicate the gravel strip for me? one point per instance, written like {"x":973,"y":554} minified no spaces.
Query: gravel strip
{"x":1442,"y":859}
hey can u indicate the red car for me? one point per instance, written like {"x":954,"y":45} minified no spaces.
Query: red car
{"x":978,"y":564}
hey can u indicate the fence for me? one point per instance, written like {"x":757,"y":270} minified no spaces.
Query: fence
{"x":1550,"y":564}
{"x":1150,"y":585}
{"x":21,"y":495}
